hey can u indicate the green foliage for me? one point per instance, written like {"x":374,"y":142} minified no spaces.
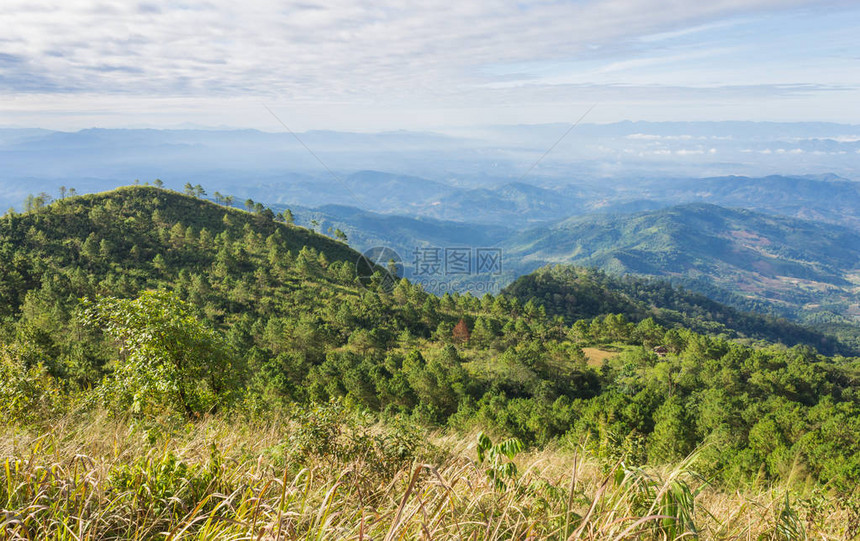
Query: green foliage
{"x":498,"y":469}
{"x":27,"y":393}
{"x":161,"y":483}
{"x":167,"y":358}
{"x":789,"y":524}
{"x":262,"y":316}
{"x":670,"y":503}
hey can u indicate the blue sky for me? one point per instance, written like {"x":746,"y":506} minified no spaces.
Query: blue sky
{"x":411,"y":64}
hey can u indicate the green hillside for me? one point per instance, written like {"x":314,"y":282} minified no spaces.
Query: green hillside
{"x":233,"y":266}
{"x":146,"y":316}
{"x":796,"y":264}
{"x":577,"y":293}
{"x":134,"y":238}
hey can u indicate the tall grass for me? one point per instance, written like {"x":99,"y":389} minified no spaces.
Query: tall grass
{"x":92,"y":477}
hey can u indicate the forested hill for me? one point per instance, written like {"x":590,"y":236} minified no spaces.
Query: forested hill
{"x":234,"y":268}
{"x":577,"y":293}
{"x":133,"y":238}
{"x":191,"y":308}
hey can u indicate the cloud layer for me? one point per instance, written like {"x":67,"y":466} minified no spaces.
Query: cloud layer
{"x":354,"y":61}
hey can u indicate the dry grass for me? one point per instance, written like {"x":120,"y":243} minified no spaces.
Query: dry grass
{"x":95,"y":478}
{"x":595,"y":356}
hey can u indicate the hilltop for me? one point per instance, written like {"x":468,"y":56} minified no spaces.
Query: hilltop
{"x":139,"y":237}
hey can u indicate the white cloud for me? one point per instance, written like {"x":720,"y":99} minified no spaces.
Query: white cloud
{"x":408,"y":56}
{"x":645,"y":136}
{"x":654,"y":137}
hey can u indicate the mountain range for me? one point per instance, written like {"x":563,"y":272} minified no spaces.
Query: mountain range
{"x":608,"y":162}
{"x":795,"y":263}
{"x":140,"y":238}
{"x":603,"y":197}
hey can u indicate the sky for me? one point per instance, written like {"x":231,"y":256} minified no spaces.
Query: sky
{"x":423,"y":64}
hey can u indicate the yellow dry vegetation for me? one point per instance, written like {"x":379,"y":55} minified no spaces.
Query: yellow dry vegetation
{"x":595,"y":356}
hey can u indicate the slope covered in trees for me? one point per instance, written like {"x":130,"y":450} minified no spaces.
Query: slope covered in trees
{"x":191,"y":308}
{"x":580,"y":293}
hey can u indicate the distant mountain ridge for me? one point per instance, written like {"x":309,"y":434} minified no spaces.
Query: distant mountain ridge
{"x":402,"y":234}
{"x":827,"y":198}
{"x":140,"y":237}
{"x":798,"y":263}
{"x":594,"y":166}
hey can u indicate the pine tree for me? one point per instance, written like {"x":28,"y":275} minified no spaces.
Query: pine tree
{"x":288,"y":217}
{"x":90,"y":248}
